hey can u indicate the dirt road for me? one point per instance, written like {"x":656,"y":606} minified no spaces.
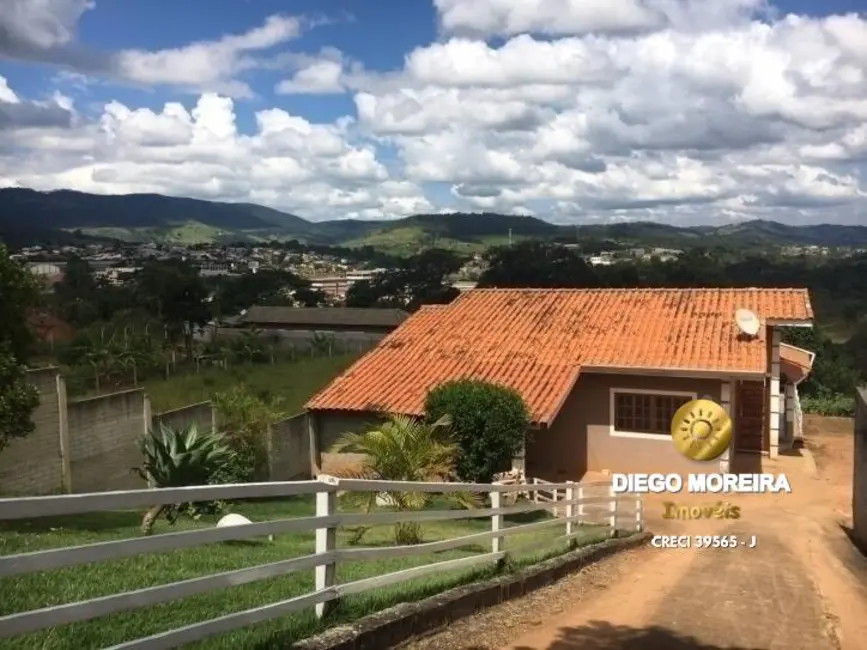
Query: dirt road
{"x":802,"y":587}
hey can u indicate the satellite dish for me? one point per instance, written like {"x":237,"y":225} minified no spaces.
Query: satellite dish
{"x":747,"y":322}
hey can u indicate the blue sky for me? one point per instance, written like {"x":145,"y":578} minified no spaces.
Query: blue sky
{"x":378,"y":33}
{"x":680,"y":111}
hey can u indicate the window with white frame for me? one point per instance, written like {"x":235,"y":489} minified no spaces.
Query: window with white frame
{"x":645,"y":412}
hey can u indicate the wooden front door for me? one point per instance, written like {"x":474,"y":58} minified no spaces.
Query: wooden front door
{"x":750,"y":417}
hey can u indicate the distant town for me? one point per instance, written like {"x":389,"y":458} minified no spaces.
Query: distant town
{"x":329,"y":273}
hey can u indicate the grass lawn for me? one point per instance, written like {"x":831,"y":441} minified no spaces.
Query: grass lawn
{"x":21,"y":593}
{"x":294,"y":381}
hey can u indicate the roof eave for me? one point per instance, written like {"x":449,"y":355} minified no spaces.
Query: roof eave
{"x":698,"y":373}
{"x":789,"y":322}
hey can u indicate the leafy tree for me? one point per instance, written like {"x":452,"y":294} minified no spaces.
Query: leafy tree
{"x":364,"y":294}
{"x":267,"y":287}
{"x":536,"y":264}
{"x":403,"y":449}
{"x":19,"y":294}
{"x":76,"y":292}
{"x":422,"y":279}
{"x":174,"y":293}
{"x":309,"y":297}
{"x":247,"y":420}
{"x":489,"y":423}
{"x":180,"y":458}
{"x":833,"y":374}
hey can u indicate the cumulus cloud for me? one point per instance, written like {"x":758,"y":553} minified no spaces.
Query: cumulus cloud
{"x":29,"y":26}
{"x":704,"y":114}
{"x":18,"y":114}
{"x":211,"y":65}
{"x":561,"y":17}
{"x":45,"y":31}
{"x":676,"y":110}
{"x":317,"y":78}
{"x":288,"y":162}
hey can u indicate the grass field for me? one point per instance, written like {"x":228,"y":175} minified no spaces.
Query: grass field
{"x":294,"y":381}
{"x":49,"y":588}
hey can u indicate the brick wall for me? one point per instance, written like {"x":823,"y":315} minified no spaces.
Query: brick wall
{"x":859,"y":483}
{"x":202,"y":415}
{"x":33,"y":465}
{"x":104,"y":434}
{"x":289,"y":450}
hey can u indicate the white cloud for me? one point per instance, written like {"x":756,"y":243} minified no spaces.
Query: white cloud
{"x":562,"y":17}
{"x":45,"y":31}
{"x":289,"y":162}
{"x":318,"y":78}
{"x":503,"y":17}
{"x":660,"y":123}
{"x":40,"y":24}
{"x":6,"y":93}
{"x":679,"y":110}
{"x":16,"y":114}
{"x":207,"y":64}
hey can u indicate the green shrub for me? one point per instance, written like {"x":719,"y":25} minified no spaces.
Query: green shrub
{"x":489,"y":423}
{"x":246,"y":419}
{"x":829,"y":405}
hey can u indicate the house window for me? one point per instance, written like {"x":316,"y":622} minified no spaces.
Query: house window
{"x":646,"y":413}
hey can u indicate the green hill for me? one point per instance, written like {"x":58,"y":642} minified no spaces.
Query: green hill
{"x":153,"y":217}
{"x":145,"y":216}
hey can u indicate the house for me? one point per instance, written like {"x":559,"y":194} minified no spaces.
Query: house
{"x":324,"y":319}
{"x":602,"y":371}
{"x":353,"y":329}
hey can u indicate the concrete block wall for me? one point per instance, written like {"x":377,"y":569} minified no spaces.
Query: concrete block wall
{"x":289,"y":450}
{"x":859,"y":483}
{"x":34,"y":464}
{"x":203,"y":415}
{"x":104,"y":435}
{"x":301,"y":340}
{"x":91,"y":445}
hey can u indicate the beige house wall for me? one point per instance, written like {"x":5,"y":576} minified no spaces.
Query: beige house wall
{"x":581,"y":438}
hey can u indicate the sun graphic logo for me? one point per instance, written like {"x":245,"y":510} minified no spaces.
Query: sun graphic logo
{"x":701,"y":430}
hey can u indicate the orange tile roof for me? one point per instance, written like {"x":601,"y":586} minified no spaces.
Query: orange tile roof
{"x":538,"y":340}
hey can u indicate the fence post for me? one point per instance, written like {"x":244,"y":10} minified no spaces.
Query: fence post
{"x":639,"y":506}
{"x":613,"y":508}
{"x":570,"y":507}
{"x":326,"y":542}
{"x":496,"y":521}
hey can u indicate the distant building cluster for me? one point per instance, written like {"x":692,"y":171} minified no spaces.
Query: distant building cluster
{"x":607,"y":258}
{"x":336,"y":286}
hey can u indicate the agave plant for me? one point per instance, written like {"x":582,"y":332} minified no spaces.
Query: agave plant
{"x":178,"y":458}
{"x":403,"y":449}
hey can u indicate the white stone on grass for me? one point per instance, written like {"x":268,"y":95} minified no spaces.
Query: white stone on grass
{"x":234,"y":519}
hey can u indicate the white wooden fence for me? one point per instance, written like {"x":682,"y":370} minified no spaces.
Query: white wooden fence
{"x":619,"y":508}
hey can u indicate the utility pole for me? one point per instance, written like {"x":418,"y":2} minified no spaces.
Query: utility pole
{"x":510,"y":236}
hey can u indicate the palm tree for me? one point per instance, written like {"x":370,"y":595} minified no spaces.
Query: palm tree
{"x":403,"y":449}
{"x":179,"y":458}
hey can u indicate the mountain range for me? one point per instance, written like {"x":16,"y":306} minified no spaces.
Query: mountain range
{"x":25,"y":214}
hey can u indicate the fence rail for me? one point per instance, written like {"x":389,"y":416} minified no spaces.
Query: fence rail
{"x":577,"y":508}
